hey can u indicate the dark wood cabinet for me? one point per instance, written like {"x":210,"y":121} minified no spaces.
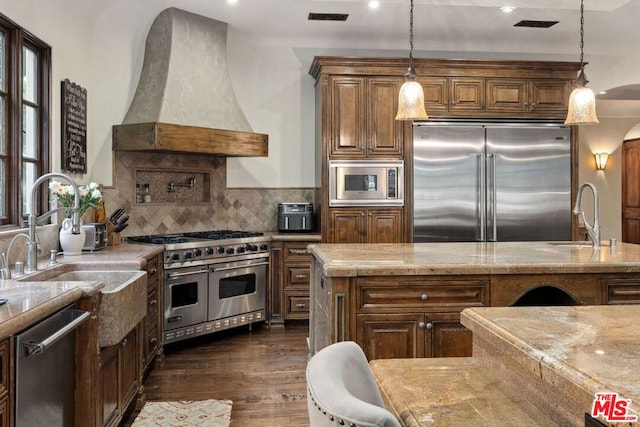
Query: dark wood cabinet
{"x":621,"y":290}
{"x":290,"y":278}
{"x":417,"y":317}
{"x":119,"y":378}
{"x":362,"y":111}
{"x":507,"y":95}
{"x":6,"y":384}
{"x":365,"y":225}
{"x":152,"y":324}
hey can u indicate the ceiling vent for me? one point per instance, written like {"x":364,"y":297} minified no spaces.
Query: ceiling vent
{"x":328,"y":16}
{"x":535,"y":24}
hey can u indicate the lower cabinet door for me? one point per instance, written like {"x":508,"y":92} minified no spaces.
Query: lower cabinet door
{"x":387,"y":336}
{"x":109,"y":411}
{"x":446,"y":337}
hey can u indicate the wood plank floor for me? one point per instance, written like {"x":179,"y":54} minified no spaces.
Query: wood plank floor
{"x":261,"y":371}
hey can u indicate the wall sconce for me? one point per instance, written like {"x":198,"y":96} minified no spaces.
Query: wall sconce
{"x":601,"y":160}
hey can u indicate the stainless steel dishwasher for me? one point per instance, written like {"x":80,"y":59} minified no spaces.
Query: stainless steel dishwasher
{"x":45,"y":370}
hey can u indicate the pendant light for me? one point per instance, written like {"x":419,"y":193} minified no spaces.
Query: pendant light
{"x":582,"y":102}
{"x":411,"y":97}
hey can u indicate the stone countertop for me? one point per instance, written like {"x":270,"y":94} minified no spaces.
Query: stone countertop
{"x":453,"y":391}
{"x":351,"y":260}
{"x":572,"y":352}
{"x":30,"y":301}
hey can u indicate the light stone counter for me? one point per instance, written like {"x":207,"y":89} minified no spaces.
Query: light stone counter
{"x":531,"y":366}
{"x":351,"y":260}
{"x":30,"y":301}
{"x":559,"y":357}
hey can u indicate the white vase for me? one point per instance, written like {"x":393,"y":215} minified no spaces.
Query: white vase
{"x":70,"y":243}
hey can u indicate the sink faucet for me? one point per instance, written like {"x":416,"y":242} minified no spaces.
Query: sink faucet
{"x":34,"y":219}
{"x":6,"y":271}
{"x":592,"y":230}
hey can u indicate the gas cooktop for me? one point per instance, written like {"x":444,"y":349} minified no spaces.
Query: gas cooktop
{"x":202,"y":247}
{"x":195,"y":236}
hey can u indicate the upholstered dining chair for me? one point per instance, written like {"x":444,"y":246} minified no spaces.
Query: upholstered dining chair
{"x":341,"y":390}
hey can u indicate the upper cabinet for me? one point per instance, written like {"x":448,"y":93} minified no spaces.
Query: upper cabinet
{"x":362,"y":112}
{"x":522,"y":96}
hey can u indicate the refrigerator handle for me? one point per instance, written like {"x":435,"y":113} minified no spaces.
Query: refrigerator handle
{"x":493,"y":203}
{"x":481,"y":198}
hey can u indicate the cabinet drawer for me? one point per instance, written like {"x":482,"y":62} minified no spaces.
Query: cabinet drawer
{"x":296,"y":306}
{"x":152,"y":268}
{"x":622,"y":292}
{"x":297,"y":252}
{"x":152,"y":306}
{"x":297,"y":275}
{"x":418,"y":295}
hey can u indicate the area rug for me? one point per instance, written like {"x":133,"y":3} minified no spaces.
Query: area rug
{"x":186,"y":413}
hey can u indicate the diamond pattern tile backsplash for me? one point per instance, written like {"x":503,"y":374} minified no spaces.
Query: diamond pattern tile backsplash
{"x":251,"y":209}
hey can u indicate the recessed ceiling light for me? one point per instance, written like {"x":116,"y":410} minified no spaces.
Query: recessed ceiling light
{"x":232,"y":1}
{"x":374,"y":4}
{"x":507,"y":9}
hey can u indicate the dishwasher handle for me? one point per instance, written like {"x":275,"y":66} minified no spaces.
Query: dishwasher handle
{"x":31,"y":348}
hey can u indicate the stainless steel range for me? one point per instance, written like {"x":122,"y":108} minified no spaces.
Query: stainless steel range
{"x":213,"y":280}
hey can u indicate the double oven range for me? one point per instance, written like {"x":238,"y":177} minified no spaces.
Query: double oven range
{"x":213,"y":280}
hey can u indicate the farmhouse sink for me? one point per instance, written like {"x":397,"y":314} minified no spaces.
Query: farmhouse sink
{"x":124,"y":299}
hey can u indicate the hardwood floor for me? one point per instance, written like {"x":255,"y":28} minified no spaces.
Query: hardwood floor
{"x":261,"y":371}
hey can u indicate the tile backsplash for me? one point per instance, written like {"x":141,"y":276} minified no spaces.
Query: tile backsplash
{"x":197,"y":208}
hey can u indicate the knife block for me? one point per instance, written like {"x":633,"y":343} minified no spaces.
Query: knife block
{"x":113,"y":238}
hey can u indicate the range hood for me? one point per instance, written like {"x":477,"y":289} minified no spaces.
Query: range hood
{"x":184,"y":101}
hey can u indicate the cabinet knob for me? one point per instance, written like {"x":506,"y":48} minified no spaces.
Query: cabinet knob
{"x":153,"y":302}
{"x":153,"y":340}
{"x":429,"y":325}
{"x":422,"y":325}
{"x":424,"y":297}
{"x":124,"y":342}
{"x":154,"y":270}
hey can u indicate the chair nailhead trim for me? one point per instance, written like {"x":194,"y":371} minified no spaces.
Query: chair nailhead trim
{"x":324,"y":412}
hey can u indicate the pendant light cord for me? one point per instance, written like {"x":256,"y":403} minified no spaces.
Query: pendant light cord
{"x":411,"y":72}
{"x":581,"y":34}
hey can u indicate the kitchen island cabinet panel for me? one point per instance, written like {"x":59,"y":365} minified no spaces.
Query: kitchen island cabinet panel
{"x":621,"y":290}
{"x":391,"y":336}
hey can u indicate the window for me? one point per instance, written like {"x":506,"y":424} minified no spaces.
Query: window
{"x":25,"y":98}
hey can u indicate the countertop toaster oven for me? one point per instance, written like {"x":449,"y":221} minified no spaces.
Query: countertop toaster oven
{"x":295,"y":217}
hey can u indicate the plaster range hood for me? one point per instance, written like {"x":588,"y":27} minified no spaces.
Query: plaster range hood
{"x":184,"y":101}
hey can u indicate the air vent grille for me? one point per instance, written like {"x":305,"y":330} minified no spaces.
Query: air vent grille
{"x":328,"y":16}
{"x":536,"y":24}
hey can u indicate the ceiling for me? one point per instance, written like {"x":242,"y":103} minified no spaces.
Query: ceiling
{"x":444,"y":28}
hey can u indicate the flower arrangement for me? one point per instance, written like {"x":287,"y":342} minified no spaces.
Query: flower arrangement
{"x":90,"y":196}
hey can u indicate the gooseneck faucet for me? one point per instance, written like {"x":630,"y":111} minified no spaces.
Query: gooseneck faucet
{"x":5,"y":272}
{"x":592,"y":230}
{"x":34,"y":219}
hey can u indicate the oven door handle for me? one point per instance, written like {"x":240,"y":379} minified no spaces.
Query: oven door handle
{"x":190,"y":273}
{"x":235,"y":267}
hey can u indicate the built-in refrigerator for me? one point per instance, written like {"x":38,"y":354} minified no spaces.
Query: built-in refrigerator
{"x":491,"y":181}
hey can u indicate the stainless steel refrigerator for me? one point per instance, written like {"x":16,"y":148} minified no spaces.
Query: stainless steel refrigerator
{"x":491,"y":182}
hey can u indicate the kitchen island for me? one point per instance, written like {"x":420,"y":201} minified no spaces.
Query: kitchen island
{"x":404,"y":300}
{"x":530,"y":366}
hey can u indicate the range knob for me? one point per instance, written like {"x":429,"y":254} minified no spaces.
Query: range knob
{"x":220,"y":249}
{"x":240,"y":250}
{"x":264,"y":247}
{"x":230,"y":251}
{"x":250,"y":247}
{"x":208,"y":251}
{"x":197,"y":252}
{"x":175,"y":257}
{"x":187,"y":255}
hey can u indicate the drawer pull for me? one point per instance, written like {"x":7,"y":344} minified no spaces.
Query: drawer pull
{"x":153,"y":340}
{"x":299,"y":251}
{"x":424,"y":297}
{"x":301,"y":276}
{"x":301,"y":305}
{"x":153,"y":270}
{"x":153,"y":302}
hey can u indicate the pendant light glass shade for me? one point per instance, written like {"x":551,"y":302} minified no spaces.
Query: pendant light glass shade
{"x":411,"y":96}
{"x":582,"y":102}
{"x":411,"y":102}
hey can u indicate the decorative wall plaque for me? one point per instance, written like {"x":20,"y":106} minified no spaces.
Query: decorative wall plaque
{"x":74,"y":127}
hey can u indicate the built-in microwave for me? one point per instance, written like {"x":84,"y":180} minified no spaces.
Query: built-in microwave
{"x":366,"y":183}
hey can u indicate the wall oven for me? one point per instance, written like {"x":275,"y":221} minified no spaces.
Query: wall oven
{"x":213,"y":280}
{"x":366,"y":183}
